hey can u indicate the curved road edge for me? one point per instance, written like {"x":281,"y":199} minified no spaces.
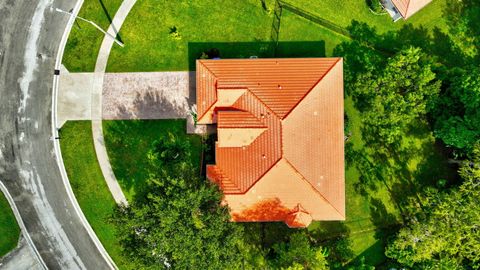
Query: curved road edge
{"x":24,"y":230}
{"x":56,"y":143}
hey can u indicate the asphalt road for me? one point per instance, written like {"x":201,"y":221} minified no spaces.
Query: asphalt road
{"x":29,"y":37}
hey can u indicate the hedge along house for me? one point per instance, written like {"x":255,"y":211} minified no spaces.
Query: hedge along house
{"x":403,"y":8}
{"x":280,"y":146}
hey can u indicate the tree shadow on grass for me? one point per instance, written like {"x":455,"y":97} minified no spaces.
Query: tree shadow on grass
{"x":128,"y":143}
{"x":110,"y":20}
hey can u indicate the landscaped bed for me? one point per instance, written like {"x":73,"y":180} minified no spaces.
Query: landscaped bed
{"x":9,"y":230}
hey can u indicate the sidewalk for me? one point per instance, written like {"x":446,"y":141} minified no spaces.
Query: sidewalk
{"x":96,"y":102}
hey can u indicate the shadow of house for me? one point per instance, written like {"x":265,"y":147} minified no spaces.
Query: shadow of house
{"x":260,"y":49}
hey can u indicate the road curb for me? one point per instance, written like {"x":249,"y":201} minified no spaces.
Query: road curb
{"x":22,"y":225}
{"x":56,"y":143}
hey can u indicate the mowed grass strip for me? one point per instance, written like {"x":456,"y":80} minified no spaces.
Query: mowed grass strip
{"x":89,"y":186}
{"x":129,"y":141}
{"x":9,"y":230}
{"x":84,"y":40}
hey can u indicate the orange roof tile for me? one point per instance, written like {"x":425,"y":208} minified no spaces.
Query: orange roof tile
{"x":408,"y":7}
{"x":297,"y":156}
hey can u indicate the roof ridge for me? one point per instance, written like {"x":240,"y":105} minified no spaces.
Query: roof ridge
{"x":310,"y":184}
{"x":310,"y":90}
{"x":406,"y":9}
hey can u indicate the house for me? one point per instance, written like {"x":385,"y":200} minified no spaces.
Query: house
{"x":403,"y":8}
{"x":280,"y":140}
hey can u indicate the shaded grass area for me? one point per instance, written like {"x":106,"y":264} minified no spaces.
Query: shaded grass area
{"x":343,"y":12}
{"x":9,"y":230}
{"x":378,"y":187}
{"x":129,"y":142}
{"x":84,"y":40}
{"x":89,"y":186}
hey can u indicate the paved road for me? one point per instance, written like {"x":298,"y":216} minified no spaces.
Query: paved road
{"x":29,"y":37}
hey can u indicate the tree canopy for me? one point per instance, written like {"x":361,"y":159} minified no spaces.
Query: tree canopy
{"x":457,"y":110}
{"x":178,"y":222}
{"x":448,"y":234}
{"x":396,"y":95}
{"x":298,"y":253}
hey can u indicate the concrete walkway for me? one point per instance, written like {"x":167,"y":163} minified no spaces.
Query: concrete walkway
{"x":96,"y":101}
{"x":74,"y":99}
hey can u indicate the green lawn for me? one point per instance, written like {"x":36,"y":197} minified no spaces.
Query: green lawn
{"x":9,"y":230}
{"x":150,"y":47}
{"x":245,"y":30}
{"x":343,"y":12}
{"x":89,"y":186}
{"x":296,"y":28}
{"x":84,"y":39}
{"x":128,"y":143}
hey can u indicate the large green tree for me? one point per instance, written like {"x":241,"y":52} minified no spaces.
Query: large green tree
{"x":397,"y":94}
{"x":298,"y":253}
{"x":447,"y":235}
{"x":464,"y":25}
{"x":179,"y":223}
{"x":457,"y":110}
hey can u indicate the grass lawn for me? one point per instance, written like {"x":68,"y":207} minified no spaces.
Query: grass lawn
{"x":9,"y":230}
{"x":150,"y":47}
{"x":84,"y":39}
{"x":89,"y":186}
{"x":245,"y":30}
{"x":128,"y":143}
{"x":343,"y":12}
{"x":294,"y":27}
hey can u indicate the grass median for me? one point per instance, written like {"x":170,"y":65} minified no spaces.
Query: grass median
{"x":89,"y":186}
{"x":9,"y":230}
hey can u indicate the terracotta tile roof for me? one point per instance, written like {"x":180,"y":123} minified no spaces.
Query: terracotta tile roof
{"x":408,"y":7}
{"x":238,"y":119}
{"x":280,"y":136}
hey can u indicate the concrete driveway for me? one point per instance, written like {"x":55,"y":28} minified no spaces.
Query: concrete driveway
{"x":148,"y":95}
{"x":136,"y":95}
